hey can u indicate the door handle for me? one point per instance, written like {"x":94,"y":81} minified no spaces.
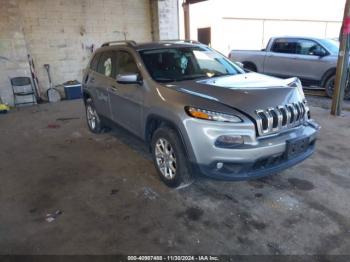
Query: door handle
{"x":92,"y":80}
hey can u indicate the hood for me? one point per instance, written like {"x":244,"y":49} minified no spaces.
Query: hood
{"x":245,"y":92}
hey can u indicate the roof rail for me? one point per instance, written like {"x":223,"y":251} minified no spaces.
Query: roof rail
{"x":182,"y":40}
{"x":125,"y":42}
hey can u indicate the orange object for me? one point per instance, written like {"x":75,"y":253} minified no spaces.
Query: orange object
{"x":198,"y":114}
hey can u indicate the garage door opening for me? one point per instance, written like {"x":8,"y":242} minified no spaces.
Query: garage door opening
{"x":204,"y":35}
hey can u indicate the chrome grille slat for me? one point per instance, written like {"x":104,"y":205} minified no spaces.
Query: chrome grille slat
{"x":297,"y":107}
{"x":292,"y":113}
{"x":302,"y":106}
{"x":285,"y":116}
{"x":272,"y":120}
{"x":276,"y":120}
{"x":295,"y":115}
{"x":288,"y":116}
{"x":280,"y":119}
{"x":269,"y":121}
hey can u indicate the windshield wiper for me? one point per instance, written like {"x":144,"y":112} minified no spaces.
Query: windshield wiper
{"x":191,"y":77}
{"x":217,"y":75}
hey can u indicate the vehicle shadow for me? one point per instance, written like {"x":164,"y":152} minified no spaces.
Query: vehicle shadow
{"x":199,"y":182}
{"x":131,"y":140}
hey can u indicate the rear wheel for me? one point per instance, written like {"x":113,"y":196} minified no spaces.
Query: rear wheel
{"x":330,"y":85}
{"x":250,"y":66}
{"x":169,"y":158}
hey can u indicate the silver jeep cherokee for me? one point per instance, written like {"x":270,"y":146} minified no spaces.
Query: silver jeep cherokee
{"x":198,"y":111}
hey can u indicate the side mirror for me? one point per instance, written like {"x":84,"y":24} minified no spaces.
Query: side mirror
{"x":129,"y":79}
{"x":320,"y":53}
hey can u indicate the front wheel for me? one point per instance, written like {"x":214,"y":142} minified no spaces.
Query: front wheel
{"x":93,"y":120}
{"x":330,"y":85}
{"x":169,"y":158}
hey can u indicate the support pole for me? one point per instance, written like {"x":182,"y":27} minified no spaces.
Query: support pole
{"x":342,"y":66}
{"x":186,"y":8}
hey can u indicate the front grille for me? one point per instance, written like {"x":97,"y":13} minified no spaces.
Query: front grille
{"x":272,"y":120}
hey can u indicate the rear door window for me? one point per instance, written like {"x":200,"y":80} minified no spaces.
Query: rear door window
{"x":285,"y":46}
{"x":106,"y":64}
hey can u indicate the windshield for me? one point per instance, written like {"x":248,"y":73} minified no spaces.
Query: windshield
{"x":331,"y":45}
{"x":178,"y":64}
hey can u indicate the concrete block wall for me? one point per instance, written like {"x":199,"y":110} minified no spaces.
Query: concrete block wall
{"x":165,"y":19}
{"x":13,"y":50}
{"x":61,"y":33}
{"x":169,"y":19}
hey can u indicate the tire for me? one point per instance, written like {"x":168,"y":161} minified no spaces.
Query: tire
{"x":93,"y":120}
{"x":250,"y":66}
{"x":329,"y":87}
{"x":347,"y":91}
{"x":168,"y":152}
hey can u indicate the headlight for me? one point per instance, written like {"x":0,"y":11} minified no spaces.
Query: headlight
{"x":210,"y":115}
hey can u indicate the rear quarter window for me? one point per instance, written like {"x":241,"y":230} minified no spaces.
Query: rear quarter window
{"x":94,"y":62}
{"x":285,"y":46}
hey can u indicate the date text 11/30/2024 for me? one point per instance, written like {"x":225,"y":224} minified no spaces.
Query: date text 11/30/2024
{"x":172,"y":258}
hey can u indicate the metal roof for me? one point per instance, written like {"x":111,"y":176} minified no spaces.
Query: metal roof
{"x":193,"y":1}
{"x":152,"y":45}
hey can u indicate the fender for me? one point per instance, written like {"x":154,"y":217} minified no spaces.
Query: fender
{"x":326,"y":75}
{"x":160,"y":120}
{"x":86,"y":94}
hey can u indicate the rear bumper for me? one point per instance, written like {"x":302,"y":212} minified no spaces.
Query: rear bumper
{"x":259,"y":168}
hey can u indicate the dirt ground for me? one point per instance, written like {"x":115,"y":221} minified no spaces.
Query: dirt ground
{"x":104,"y":195}
{"x":326,"y":103}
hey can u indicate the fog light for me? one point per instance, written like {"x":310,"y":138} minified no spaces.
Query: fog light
{"x":229,"y":141}
{"x":219,"y":165}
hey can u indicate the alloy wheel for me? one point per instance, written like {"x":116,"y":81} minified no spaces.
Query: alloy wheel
{"x":165,"y":158}
{"x":91,"y":116}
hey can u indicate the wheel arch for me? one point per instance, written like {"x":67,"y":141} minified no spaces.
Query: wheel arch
{"x":155,"y":121}
{"x":330,"y":72}
{"x":86,"y":96}
{"x":250,"y":63}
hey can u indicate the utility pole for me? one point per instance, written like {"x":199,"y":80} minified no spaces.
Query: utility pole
{"x":343,"y":61}
{"x":186,"y":8}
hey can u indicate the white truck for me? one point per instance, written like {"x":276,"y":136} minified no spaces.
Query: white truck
{"x":313,"y":60}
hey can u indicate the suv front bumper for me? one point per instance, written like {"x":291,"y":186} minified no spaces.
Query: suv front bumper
{"x":256,"y":158}
{"x":262,"y":167}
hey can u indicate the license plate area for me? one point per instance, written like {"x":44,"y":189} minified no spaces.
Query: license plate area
{"x":297,"y":146}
